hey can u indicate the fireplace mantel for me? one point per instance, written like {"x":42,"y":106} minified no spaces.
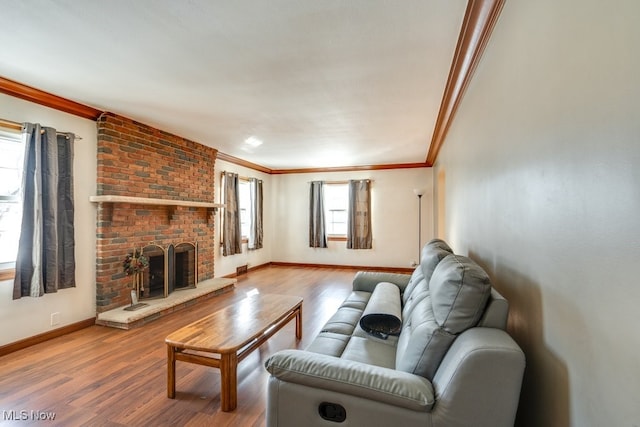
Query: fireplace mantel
{"x":150,"y":201}
{"x":211,"y":207}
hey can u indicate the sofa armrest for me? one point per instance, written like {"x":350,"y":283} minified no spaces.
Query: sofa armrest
{"x":384,"y":385}
{"x":367,"y":280}
{"x":479,"y":379}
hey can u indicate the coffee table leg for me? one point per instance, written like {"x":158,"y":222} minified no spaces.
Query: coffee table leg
{"x":228,"y":381}
{"x":299,"y":322}
{"x":171,"y":371}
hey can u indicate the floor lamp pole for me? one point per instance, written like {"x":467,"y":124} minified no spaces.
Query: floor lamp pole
{"x":419,"y":225}
{"x":419,"y":192}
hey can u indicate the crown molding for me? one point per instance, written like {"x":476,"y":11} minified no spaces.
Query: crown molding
{"x":240,"y":162}
{"x":479,"y":20}
{"x":351,"y":168}
{"x":47,"y":99}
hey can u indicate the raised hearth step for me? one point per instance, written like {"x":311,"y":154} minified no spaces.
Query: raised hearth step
{"x":156,"y":308}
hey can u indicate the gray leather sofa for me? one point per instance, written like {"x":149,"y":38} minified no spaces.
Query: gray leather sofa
{"x":427,"y":349}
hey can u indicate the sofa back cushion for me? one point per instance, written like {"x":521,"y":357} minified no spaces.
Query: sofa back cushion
{"x":419,"y":292}
{"x":432,"y":253}
{"x":422,"y":343}
{"x":416,"y":277}
{"x":459,"y":290}
{"x":458,"y":293}
{"x":496,"y":312}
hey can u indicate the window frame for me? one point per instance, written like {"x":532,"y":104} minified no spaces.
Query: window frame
{"x":336,"y":236}
{"x":9,"y":132}
{"x":242,"y":181}
{"x":243,"y":185}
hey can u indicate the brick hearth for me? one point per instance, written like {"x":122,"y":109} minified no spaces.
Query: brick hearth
{"x":139,"y":161}
{"x":156,"y":308}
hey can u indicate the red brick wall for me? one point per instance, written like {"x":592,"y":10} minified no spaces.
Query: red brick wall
{"x":137,"y":160}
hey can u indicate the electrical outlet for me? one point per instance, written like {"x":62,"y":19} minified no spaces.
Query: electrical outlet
{"x":55,"y":319}
{"x":413,"y":264}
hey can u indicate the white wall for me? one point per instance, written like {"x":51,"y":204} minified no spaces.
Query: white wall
{"x":225,"y":265}
{"x":286,"y":215}
{"x":394,"y":218}
{"x":395,"y":223}
{"x":543,"y":189}
{"x":27,"y":317}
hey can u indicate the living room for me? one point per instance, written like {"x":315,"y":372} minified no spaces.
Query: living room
{"x":536,"y":181}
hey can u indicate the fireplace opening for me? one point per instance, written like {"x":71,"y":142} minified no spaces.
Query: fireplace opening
{"x":170,"y":269}
{"x":155,"y":279}
{"x":184,"y":260}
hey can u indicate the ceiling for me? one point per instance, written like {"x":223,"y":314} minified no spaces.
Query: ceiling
{"x":322,"y":84}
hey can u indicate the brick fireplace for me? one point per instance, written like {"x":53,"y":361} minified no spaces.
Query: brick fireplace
{"x":136,"y":160}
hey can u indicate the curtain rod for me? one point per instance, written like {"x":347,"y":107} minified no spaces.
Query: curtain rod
{"x":18,"y":126}
{"x":240,"y":177}
{"x":341,"y":182}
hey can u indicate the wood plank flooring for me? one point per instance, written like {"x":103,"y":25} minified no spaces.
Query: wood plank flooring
{"x":102,"y":376}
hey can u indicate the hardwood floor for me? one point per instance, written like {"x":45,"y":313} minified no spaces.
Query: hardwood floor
{"x":102,"y":376}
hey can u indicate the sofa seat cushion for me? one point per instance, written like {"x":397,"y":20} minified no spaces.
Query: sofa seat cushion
{"x":343,"y":321}
{"x":371,"y":352}
{"x":329,"y":343}
{"x":391,"y":340}
{"x":357,"y":300}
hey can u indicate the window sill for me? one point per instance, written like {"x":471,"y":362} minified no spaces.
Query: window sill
{"x":337,"y":238}
{"x":244,"y":241}
{"x":7,"y":274}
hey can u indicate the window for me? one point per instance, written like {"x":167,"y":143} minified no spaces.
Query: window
{"x":12,"y":149}
{"x":336,"y":204}
{"x":245,"y":207}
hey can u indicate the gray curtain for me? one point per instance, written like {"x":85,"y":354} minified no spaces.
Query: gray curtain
{"x":317,"y":230}
{"x":359,"y":220}
{"x":231,"y":232}
{"x":255,"y":232}
{"x":46,"y":251}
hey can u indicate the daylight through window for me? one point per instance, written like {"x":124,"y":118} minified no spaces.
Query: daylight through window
{"x":336,"y":203}
{"x":245,"y":207}
{"x":12,"y":149}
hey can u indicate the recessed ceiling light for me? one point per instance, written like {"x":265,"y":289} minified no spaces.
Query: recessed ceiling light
{"x":253,"y":141}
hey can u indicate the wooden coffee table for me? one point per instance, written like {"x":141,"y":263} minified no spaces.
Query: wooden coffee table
{"x":230,"y":334}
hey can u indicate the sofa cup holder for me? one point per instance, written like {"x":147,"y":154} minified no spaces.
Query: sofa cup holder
{"x":332,"y":412}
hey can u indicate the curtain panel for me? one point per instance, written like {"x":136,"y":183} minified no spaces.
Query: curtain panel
{"x":255,"y":232}
{"x":46,"y":250}
{"x":317,"y":227}
{"x":359,"y":220}
{"x":231,"y":232}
